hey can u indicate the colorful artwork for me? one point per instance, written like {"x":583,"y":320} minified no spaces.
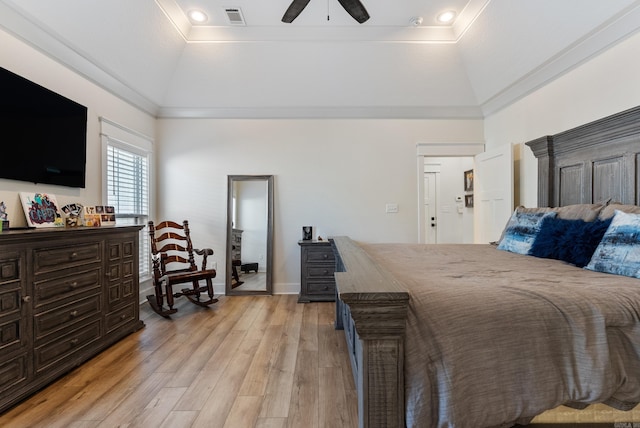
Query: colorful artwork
{"x":41,"y":210}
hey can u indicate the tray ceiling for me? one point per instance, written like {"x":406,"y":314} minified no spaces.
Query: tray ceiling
{"x":150,"y":54}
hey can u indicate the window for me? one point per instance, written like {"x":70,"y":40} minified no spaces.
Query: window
{"x":127,"y":188}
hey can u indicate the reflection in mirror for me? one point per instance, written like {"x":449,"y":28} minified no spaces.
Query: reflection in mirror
{"x":249,"y":234}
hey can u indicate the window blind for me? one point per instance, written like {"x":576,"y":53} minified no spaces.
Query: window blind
{"x":128,"y":193}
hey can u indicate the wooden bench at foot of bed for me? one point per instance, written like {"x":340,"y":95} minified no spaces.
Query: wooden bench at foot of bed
{"x":371,"y":307}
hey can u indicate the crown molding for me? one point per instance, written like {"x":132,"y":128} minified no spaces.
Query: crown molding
{"x":303,"y":112}
{"x":610,"y":33}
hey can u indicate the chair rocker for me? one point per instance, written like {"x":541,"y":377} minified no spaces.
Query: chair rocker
{"x":174,"y":263}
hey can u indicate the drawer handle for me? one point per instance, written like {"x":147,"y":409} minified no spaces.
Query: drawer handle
{"x":74,"y":342}
{"x":326,"y":256}
{"x":26,"y":299}
{"x":326,"y":272}
{"x":73,"y":285}
{"x":73,"y":255}
{"x":73,"y":314}
{"x":123,"y":316}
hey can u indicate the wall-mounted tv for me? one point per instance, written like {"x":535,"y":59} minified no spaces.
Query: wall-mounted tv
{"x":43,"y":135}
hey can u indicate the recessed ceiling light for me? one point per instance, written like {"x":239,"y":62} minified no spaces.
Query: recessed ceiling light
{"x":446,"y":17}
{"x":197,"y":16}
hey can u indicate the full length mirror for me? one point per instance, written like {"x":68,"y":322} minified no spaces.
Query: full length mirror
{"x":249,"y":234}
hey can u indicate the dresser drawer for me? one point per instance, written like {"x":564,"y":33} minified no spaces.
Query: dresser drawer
{"x":121,"y":317}
{"x":12,"y":333}
{"x":321,"y":287}
{"x":65,"y":346}
{"x":10,"y":297}
{"x":72,"y":284}
{"x":65,"y":316}
{"x":13,"y":372}
{"x":46,"y":260}
{"x":9,"y":270}
{"x":319,"y":255}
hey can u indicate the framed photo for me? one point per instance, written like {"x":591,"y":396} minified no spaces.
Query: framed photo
{"x":468,"y":180}
{"x":468,"y":201}
{"x":307,"y":233}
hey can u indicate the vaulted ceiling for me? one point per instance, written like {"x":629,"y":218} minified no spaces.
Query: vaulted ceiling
{"x":324,"y":64}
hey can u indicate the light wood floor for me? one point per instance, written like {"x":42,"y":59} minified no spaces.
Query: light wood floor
{"x":247,"y":361}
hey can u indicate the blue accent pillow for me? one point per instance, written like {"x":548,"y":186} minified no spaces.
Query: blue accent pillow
{"x":572,"y":241}
{"x":521,"y":231}
{"x":619,"y":249}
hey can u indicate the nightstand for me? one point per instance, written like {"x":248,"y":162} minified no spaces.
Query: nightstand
{"x":317,"y":266}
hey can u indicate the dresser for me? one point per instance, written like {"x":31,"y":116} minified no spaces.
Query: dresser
{"x":65,"y":295}
{"x":317,"y":266}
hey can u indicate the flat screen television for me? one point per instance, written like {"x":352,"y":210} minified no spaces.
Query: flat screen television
{"x":43,"y":135}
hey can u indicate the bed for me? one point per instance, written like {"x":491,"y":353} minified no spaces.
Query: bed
{"x":504,"y":336}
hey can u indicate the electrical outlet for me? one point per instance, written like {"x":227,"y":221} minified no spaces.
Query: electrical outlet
{"x":392,"y":208}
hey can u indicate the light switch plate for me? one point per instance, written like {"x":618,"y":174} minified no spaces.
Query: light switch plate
{"x":392,"y":208}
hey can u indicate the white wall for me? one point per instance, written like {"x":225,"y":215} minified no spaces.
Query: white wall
{"x":336,"y":175}
{"x":605,"y":85}
{"x":22,"y":59}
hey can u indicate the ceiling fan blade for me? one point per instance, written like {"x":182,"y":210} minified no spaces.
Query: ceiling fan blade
{"x":355,"y":9}
{"x":294,"y":10}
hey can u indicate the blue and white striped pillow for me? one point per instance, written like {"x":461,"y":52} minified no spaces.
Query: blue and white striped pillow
{"x":619,"y":249}
{"x":521,"y":231}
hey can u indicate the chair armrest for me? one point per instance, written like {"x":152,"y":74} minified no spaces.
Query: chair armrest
{"x":204,"y":253}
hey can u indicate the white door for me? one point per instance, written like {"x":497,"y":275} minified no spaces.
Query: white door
{"x":430,"y":220}
{"x":493,"y":193}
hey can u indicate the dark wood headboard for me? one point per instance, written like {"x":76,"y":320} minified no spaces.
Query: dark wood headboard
{"x":591,"y":163}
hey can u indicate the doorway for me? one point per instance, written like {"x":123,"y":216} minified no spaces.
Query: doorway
{"x":449,"y":200}
{"x":448,"y":220}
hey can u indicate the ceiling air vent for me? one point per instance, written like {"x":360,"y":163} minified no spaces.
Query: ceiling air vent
{"x":234,"y":15}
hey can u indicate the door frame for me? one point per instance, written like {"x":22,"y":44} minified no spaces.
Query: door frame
{"x":436,"y":149}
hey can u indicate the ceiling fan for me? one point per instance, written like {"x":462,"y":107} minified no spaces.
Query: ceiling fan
{"x":353,"y":7}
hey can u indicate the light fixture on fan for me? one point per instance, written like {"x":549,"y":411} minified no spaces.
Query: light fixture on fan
{"x":353,"y":8}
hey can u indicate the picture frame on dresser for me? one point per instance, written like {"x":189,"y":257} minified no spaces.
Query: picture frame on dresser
{"x":41,"y":209}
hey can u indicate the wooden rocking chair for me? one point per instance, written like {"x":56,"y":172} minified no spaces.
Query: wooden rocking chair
{"x":174,"y":263}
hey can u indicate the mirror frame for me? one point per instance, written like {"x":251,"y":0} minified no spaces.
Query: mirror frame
{"x":231,"y":179}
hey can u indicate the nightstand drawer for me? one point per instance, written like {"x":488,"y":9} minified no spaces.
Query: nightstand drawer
{"x":321,"y":287}
{"x":319,"y":255}
{"x":320,"y":271}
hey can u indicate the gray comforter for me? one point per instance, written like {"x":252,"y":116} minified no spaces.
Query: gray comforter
{"x":495,"y":338}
